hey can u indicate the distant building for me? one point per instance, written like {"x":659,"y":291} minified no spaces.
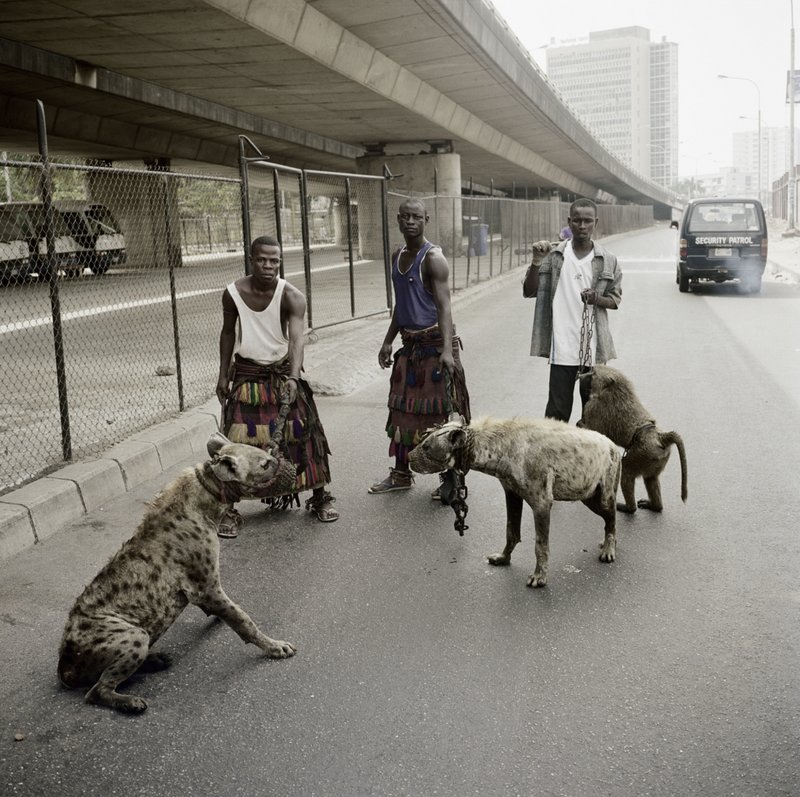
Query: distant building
{"x":625,"y":89}
{"x":728,"y":181}
{"x":774,"y":155}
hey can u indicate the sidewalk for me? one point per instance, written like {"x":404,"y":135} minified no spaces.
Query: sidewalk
{"x":783,"y":256}
{"x":338,"y":360}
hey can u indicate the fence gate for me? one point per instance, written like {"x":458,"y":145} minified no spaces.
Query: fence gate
{"x":332,"y":228}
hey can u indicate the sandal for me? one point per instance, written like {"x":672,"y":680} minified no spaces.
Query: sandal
{"x":230,"y":524}
{"x":396,"y":480}
{"x":322,"y":507}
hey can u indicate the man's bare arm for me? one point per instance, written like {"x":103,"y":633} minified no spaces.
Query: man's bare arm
{"x":227,"y":341}
{"x":438,"y":274}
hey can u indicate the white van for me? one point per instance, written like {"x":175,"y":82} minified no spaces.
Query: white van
{"x":32,"y":221}
{"x":15,"y":256}
{"x":99,"y":236}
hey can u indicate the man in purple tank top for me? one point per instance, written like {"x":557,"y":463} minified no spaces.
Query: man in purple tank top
{"x":427,"y":381}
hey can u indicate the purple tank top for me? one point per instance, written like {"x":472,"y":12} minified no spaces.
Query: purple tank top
{"x":415,"y":308}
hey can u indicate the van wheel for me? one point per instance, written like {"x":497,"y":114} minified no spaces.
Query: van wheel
{"x":683,"y":281}
{"x":99,"y":268}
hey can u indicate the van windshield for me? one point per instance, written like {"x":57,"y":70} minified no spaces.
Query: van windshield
{"x":104,"y":222}
{"x":725,"y":217}
{"x":11,"y":226}
{"x":35,"y":213}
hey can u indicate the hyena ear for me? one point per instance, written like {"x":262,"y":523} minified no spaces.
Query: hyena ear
{"x":225,"y":467}
{"x":456,"y":437}
{"x":216,"y":442}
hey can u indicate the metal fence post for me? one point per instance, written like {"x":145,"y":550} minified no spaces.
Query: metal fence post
{"x":436,"y":200}
{"x":276,"y":194}
{"x":306,"y":245}
{"x":52,"y":276}
{"x":350,"y":246}
{"x":527,"y":223}
{"x":469,"y":232}
{"x":491,"y":226}
{"x":245,"y":205}
{"x":455,"y":251}
{"x":172,"y":255}
{"x":387,"y":266}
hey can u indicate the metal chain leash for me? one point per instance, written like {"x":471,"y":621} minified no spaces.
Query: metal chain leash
{"x":587,"y":330}
{"x":452,"y":488}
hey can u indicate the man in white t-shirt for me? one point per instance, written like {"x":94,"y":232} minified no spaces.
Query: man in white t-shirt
{"x":576,"y":273}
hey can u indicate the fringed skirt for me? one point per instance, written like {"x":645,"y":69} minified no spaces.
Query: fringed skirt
{"x":251,"y":412}
{"x":419,"y":394}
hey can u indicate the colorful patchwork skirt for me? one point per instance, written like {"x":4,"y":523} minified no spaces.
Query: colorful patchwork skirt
{"x":420,"y":395}
{"x":251,"y":412}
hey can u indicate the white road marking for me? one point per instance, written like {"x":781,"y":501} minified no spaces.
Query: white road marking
{"x":32,"y":323}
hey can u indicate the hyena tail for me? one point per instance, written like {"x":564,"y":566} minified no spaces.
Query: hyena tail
{"x":667,"y":439}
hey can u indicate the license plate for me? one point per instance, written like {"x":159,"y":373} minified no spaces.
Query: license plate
{"x":723,"y":252}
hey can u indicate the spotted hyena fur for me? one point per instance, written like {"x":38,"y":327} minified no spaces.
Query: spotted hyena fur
{"x":171,"y":560}
{"x":538,"y":461}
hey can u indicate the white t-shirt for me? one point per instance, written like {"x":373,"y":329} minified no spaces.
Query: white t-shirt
{"x":576,"y":276}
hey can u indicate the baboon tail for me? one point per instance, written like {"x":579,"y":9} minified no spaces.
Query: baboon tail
{"x":667,"y":439}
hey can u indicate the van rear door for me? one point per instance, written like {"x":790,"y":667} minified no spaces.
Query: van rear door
{"x":725,"y":235}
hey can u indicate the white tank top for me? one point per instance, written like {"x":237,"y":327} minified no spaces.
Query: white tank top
{"x":259,"y":336}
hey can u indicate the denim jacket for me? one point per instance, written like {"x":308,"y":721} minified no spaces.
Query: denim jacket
{"x":607,"y":280}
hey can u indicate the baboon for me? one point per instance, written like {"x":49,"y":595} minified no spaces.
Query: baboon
{"x":614,"y":410}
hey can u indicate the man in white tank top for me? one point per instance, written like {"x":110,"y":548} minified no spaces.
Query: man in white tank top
{"x":261,"y":358}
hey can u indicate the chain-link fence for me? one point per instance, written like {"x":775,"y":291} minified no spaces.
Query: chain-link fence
{"x":483,"y":236}
{"x":111,"y":282}
{"x":109,"y":322}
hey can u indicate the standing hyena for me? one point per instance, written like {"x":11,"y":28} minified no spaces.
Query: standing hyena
{"x":538,"y":461}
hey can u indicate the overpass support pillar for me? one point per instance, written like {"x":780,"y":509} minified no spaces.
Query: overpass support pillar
{"x":433,"y":177}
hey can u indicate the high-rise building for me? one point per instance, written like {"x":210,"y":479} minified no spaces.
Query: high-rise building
{"x":625,"y":89}
{"x":774,"y":155}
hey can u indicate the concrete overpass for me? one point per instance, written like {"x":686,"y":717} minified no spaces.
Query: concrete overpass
{"x":314,"y":83}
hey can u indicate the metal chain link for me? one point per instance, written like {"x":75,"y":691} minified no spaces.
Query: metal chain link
{"x":587,"y":330}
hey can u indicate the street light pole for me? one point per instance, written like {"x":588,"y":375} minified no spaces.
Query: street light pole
{"x":791,"y":205}
{"x":758,"y":93}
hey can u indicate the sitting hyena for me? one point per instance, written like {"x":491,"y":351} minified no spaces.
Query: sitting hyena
{"x":171,"y":560}
{"x":539,"y":461}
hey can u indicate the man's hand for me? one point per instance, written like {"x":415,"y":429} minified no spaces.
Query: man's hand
{"x":539,"y":251}
{"x":222,"y":389}
{"x":289,"y":390}
{"x":385,"y":355}
{"x":591,"y":296}
{"x":447,"y":361}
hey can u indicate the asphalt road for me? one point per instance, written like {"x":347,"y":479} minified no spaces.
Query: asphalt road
{"x":420,"y":669}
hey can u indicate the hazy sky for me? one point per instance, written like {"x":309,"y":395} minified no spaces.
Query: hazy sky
{"x":743,"y":38}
